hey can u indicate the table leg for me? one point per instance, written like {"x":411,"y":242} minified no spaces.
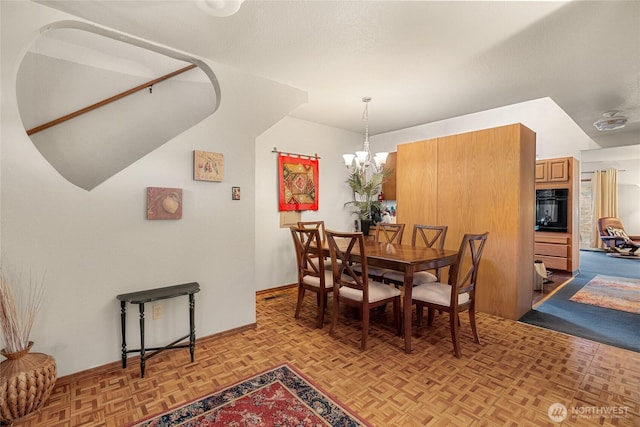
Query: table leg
{"x":406,"y":325}
{"x":123,"y":325}
{"x":142,"y":360}
{"x":192,"y":326}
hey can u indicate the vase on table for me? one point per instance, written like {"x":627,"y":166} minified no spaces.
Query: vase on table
{"x":365,"y":226}
{"x":26,"y":382}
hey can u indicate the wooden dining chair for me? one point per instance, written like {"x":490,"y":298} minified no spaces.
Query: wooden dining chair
{"x":389,"y":233}
{"x":319,"y":225}
{"x":312,"y":276}
{"x":430,"y":236}
{"x":357,"y":290}
{"x":459,"y":294}
{"x":385,"y":233}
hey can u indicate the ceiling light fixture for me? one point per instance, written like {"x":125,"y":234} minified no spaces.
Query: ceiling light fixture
{"x":610,"y":121}
{"x":364,"y":159}
{"x":219,"y":8}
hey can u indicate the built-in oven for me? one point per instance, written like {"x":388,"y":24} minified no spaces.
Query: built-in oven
{"x":552,"y":208}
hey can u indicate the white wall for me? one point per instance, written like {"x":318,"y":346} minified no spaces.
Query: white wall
{"x":93,"y":245}
{"x":556,"y":134}
{"x":629,"y":207}
{"x":275,"y":258}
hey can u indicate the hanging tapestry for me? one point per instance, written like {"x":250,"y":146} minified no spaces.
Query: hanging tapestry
{"x":298,"y":179}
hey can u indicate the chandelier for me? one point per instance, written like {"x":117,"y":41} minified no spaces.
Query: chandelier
{"x":362,"y":160}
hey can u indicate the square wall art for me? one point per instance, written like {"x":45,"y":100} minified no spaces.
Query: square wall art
{"x":164,"y":203}
{"x":208,"y":166}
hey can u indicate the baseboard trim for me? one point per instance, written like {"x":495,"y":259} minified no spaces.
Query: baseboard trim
{"x":276,"y":289}
{"x":135,"y":360}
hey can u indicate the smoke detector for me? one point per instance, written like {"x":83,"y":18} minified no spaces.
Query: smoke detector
{"x":610,"y":121}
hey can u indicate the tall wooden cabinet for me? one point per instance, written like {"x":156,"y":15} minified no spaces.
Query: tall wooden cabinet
{"x":560,"y":250}
{"x":476,"y":182}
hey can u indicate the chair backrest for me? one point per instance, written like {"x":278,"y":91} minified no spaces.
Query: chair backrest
{"x":609,"y":221}
{"x":389,"y":233}
{"x":431,"y":236}
{"x":319,"y":225}
{"x":464,"y":272}
{"x":341,"y":246}
{"x":307,"y":244}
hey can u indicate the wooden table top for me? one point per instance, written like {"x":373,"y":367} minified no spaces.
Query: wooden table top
{"x":398,"y":257}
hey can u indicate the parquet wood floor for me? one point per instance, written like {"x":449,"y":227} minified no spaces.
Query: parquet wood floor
{"x":510,"y":379}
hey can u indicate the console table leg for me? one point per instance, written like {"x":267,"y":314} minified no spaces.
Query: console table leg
{"x":142,"y":360}
{"x":123,"y":324}
{"x":192,"y":326}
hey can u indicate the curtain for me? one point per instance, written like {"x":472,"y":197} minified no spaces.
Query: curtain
{"x":605,"y":200}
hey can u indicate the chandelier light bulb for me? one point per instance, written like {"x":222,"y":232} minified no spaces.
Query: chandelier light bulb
{"x":381,"y":158}
{"x":348,"y":159}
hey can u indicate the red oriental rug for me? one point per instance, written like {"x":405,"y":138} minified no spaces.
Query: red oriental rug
{"x":617,"y":293}
{"x":281,"y":396}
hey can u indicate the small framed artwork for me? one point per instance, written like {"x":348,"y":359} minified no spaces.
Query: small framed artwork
{"x":208,"y":166}
{"x":164,"y":203}
{"x":235,"y":193}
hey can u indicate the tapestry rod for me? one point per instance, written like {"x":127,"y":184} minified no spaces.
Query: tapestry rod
{"x":275,"y":150}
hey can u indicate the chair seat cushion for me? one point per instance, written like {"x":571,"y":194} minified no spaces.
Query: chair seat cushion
{"x":372,"y":271}
{"x":315,"y":281}
{"x":326,"y":263}
{"x":419,"y":277}
{"x":377,"y":292}
{"x":436,"y":293}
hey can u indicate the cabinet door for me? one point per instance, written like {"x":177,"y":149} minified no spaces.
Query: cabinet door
{"x":541,"y":171}
{"x":558,"y":170}
{"x":553,"y":170}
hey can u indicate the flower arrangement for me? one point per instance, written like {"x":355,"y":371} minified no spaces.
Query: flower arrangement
{"x":18,"y":313}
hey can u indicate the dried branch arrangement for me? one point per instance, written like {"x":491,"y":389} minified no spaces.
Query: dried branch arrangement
{"x":18,"y":311}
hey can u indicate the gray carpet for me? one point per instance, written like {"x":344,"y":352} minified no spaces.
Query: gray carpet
{"x":607,"y":326}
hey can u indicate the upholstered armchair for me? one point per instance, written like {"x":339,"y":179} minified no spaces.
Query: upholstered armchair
{"x":615,"y":237}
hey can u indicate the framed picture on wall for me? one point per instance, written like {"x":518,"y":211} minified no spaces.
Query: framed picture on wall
{"x":208,"y":166}
{"x":164,"y":203}
{"x":235,"y":193}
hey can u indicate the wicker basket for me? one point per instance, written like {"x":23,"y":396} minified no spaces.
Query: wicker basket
{"x":25,"y":384}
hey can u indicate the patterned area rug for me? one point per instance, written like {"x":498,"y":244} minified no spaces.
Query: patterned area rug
{"x":281,"y":396}
{"x":617,"y":293}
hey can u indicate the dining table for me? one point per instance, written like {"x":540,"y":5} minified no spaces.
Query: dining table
{"x":408,"y":259}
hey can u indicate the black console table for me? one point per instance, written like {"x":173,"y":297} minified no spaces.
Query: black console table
{"x":150,"y":295}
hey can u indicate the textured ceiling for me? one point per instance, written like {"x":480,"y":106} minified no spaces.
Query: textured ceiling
{"x":420,"y":61}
